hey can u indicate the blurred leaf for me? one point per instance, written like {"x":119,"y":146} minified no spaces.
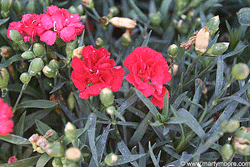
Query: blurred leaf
{"x":11,"y":60}
{"x":156,"y":164}
{"x":233,"y":53}
{"x":81,"y":39}
{"x":24,"y":162}
{"x":37,"y":104}
{"x":123,"y":159}
{"x":142,"y":160}
{"x":145,"y":42}
{"x":29,"y":90}
{"x":244,"y":16}
{"x":43,"y":160}
{"x":57,"y":86}
{"x":2,"y":21}
{"x":236,"y":98}
{"x":19,"y":130}
{"x":140,"y":14}
{"x":43,"y":128}
{"x":14,"y":139}
{"x":122,"y":147}
{"x":164,"y":8}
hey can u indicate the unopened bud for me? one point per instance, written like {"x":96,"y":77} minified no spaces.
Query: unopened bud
{"x":57,"y":162}
{"x":28,"y":55}
{"x":70,"y":46}
{"x":126,"y":40}
{"x":36,"y":66}
{"x":111,"y":159}
{"x":68,"y":163}
{"x":232,"y":126}
{"x":241,"y":146}
{"x":15,"y":35}
{"x":201,"y":41}
{"x":227,"y":152}
{"x":78,"y":52}
{"x":99,"y":43}
{"x":4,"y":78}
{"x":72,"y":10}
{"x":107,"y":97}
{"x":173,"y":51}
{"x":73,"y":154}
{"x":155,"y":18}
{"x":71,"y":101}
{"x":70,"y":131}
{"x":80,"y":10}
{"x":88,"y":4}
{"x":18,"y":8}
{"x":113,"y":11}
{"x":31,"y":6}
{"x":49,"y":72}
{"x":122,"y":22}
{"x":110,"y":110}
{"x":213,"y":24}
{"x":39,"y":50}
{"x":25,"y":77}
{"x":54,"y":64}
{"x":217,"y":49}
{"x":6,"y":51}
{"x":240,"y":71}
{"x":243,"y":132}
{"x":6,"y":6}
{"x":56,"y":149}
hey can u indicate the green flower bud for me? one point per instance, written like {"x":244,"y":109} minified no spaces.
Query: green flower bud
{"x":6,"y":6}
{"x":213,"y":24}
{"x":49,"y":72}
{"x":68,"y":163}
{"x":180,"y":4}
{"x":54,"y":64}
{"x":232,"y":126}
{"x":80,"y":10}
{"x":227,"y":152}
{"x":243,"y":132}
{"x":88,"y":4}
{"x":73,"y":154}
{"x":248,"y":93}
{"x":6,"y":51}
{"x":126,"y":40}
{"x":173,"y":51}
{"x":41,"y":2}
{"x":36,"y":66}
{"x":4,"y":78}
{"x":241,"y":146}
{"x":99,"y":43}
{"x":28,"y":55}
{"x":57,"y":162}
{"x":15,"y":36}
{"x":114,"y":11}
{"x":25,"y":77}
{"x":72,"y":10}
{"x":70,"y":48}
{"x":70,"y":131}
{"x":111,"y":159}
{"x":39,"y":50}
{"x":155,"y":18}
{"x":240,"y":71}
{"x":107,"y":97}
{"x":56,"y":149}
{"x":31,"y":6}
{"x":110,"y":110}
{"x":71,"y":101}
{"x":217,"y":49}
{"x":18,"y":8}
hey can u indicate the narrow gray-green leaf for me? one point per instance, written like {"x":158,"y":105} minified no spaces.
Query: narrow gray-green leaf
{"x":37,"y":104}
{"x":152,"y":155}
{"x":43,"y":160}
{"x":233,"y":53}
{"x":43,"y":128}
{"x":140,"y":14}
{"x":23,"y":162}
{"x":58,"y":86}
{"x":125,"y":151}
{"x":123,"y":159}
{"x":2,"y":21}
{"x":14,"y":139}
{"x":142,"y":160}
{"x":11,"y":60}
{"x":29,"y":90}
{"x":145,"y":42}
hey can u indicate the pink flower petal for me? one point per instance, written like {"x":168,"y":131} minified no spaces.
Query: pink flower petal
{"x":48,"y":37}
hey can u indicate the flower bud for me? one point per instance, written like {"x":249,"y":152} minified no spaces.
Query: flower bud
{"x":243,"y":132}
{"x":56,"y":149}
{"x":15,"y":36}
{"x":78,"y":52}
{"x":126,"y":40}
{"x":111,"y":159}
{"x":49,"y":72}
{"x":68,"y":163}
{"x":240,"y":71}
{"x":99,"y":43}
{"x":88,"y":4}
{"x":28,"y":55}
{"x":110,"y":110}
{"x":113,"y":11}
{"x":18,"y":8}
{"x":54,"y":64}
{"x":122,"y":22}
{"x":57,"y":162}
{"x":39,"y":49}
{"x":6,"y":51}
{"x":155,"y":18}
{"x":70,"y":131}
{"x":70,"y":48}
{"x":201,"y":41}
{"x":80,"y":10}
{"x":227,"y":152}
{"x":107,"y":97}
{"x":232,"y":126}
{"x":241,"y":146}
{"x":71,"y":101}
{"x":31,"y":6}
{"x":173,"y":51}
{"x":4,"y":78}
{"x":213,"y":24}
{"x":73,"y":154}
{"x":72,"y":10}
{"x":25,"y":77}
{"x":217,"y":49}
{"x":6,"y":6}
{"x":36,"y":66}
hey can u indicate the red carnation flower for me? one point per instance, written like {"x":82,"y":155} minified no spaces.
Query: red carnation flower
{"x":95,"y":71}
{"x":148,"y":73}
{"x":6,"y":124}
{"x":12,"y":159}
{"x":59,"y":22}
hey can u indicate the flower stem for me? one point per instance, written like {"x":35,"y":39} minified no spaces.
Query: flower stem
{"x":19,"y":97}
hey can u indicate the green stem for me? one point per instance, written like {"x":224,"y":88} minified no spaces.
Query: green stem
{"x":19,"y":97}
{"x":96,"y":14}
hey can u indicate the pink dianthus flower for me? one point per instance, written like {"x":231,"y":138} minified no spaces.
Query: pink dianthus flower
{"x":6,"y":124}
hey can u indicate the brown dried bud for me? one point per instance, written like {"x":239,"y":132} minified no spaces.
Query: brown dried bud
{"x":34,"y":138}
{"x":104,"y":20}
{"x":122,"y":22}
{"x":204,"y":91}
{"x":78,"y":52}
{"x":201,"y":41}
